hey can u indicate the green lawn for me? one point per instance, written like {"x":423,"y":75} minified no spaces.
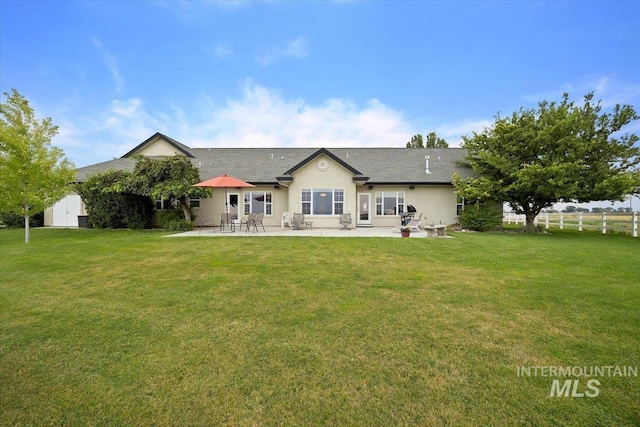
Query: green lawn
{"x":127,"y":328}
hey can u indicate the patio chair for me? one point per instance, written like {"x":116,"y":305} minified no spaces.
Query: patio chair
{"x":248,"y":222}
{"x":413,"y":225}
{"x":297,"y":221}
{"x":258,"y":221}
{"x":201,"y":223}
{"x":286,"y":219}
{"x":226,"y":222}
{"x":345,"y":221}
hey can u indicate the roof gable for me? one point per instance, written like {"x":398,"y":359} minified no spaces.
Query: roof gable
{"x":180,"y":148}
{"x":328,"y":154}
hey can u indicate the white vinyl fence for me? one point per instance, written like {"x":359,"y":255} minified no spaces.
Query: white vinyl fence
{"x":606,"y":221}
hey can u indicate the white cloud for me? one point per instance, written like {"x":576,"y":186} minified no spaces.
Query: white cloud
{"x":297,"y":48}
{"x":111,"y":62}
{"x":453,"y":132}
{"x":260,"y":117}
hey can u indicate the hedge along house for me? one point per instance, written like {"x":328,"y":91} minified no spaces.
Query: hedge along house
{"x":374,"y":185}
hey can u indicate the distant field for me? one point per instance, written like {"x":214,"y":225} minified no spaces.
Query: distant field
{"x":127,"y":328}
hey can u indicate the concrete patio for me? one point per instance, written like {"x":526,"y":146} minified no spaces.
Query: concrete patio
{"x":308,"y":232}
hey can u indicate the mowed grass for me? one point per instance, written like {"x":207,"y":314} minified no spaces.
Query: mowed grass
{"x":129,"y":328}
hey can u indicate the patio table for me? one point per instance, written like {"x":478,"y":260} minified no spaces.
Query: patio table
{"x":439,"y":230}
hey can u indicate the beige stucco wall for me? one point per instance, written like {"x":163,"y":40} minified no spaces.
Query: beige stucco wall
{"x":158,"y":147}
{"x":437,"y":204}
{"x":213,"y":207}
{"x":312,"y":176}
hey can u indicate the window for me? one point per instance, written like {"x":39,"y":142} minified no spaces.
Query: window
{"x":459,"y":204}
{"x":462,"y":203}
{"x":389,"y":203}
{"x":338,"y":202}
{"x":320,"y":201}
{"x":163,"y":203}
{"x":306,"y":201}
{"x":194,"y":203}
{"x":258,"y":202}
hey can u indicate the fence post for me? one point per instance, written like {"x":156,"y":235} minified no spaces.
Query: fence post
{"x":579,"y":221}
{"x":561,"y":220}
{"x":546,"y":225}
{"x":635,"y":224}
{"x":604,"y":223}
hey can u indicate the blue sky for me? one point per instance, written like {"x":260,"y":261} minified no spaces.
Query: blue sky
{"x":320,"y":74}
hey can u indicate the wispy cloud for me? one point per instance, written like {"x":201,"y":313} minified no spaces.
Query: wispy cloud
{"x":297,"y":48}
{"x":111,"y":62}
{"x":220,"y":50}
{"x":606,"y":88}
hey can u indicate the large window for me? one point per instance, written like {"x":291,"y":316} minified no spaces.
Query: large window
{"x":318,"y":201}
{"x":389,"y":203}
{"x":258,"y":202}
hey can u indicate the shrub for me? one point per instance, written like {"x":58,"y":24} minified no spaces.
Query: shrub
{"x":480,"y":218}
{"x":173,"y":220}
{"x":13,"y":220}
{"x":114,"y":210}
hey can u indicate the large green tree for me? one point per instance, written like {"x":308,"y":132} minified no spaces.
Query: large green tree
{"x":167,"y":178}
{"x":33,"y":173}
{"x":559,"y":152}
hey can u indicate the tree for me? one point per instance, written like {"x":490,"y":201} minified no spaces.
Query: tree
{"x":33,"y":173}
{"x":168,"y":178}
{"x":416,"y":141}
{"x":556,"y":153}
{"x":434,"y":142}
{"x":108,"y":209}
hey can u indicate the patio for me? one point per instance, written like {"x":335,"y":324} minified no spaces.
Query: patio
{"x":308,"y":232}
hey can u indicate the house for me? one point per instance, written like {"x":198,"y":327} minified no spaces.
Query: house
{"x":375,"y":185}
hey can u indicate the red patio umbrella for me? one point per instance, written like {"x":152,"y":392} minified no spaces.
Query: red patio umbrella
{"x":224,"y":181}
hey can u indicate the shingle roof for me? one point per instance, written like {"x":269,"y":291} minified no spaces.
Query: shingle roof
{"x":265,"y":165}
{"x":122,"y":163}
{"x":380,"y":165}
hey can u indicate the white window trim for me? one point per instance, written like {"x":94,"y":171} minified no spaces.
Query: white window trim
{"x":311,"y":192}
{"x":397,"y":204}
{"x":264,"y":192}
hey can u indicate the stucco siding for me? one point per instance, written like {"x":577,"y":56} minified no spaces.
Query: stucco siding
{"x":212,"y":208}
{"x":159,"y":147}
{"x":322,"y":173}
